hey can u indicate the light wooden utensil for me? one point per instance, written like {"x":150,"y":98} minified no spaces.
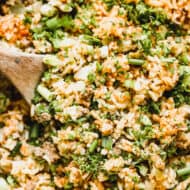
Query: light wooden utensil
{"x":22,"y":69}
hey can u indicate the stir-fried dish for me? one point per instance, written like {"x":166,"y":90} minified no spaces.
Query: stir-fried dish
{"x":112,"y":109}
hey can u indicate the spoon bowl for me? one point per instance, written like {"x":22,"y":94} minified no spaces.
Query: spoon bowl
{"x":22,"y":69}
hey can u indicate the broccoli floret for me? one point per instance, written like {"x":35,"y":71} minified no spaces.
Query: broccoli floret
{"x":181,"y":92}
{"x":90,"y":163}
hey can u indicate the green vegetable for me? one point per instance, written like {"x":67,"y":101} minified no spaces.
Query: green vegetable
{"x":135,"y":179}
{"x":93,"y":146}
{"x":93,"y":104}
{"x":27,"y":20}
{"x":68,"y":186}
{"x":181,"y":92}
{"x":145,"y":120}
{"x":89,"y":163}
{"x":37,"y":31}
{"x":140,"y":13}
{"x":168,"y":60}
{"x":136,"y":62}
{"x":171,"y":150}
{"x":129,"y":83}
{"x":184,"y":59}
{"x":71,"y":136}
{"x":186,"y":82}
{"x":184,"y":70}
{"x":145,"y":43}
{"x":188,"y":124}
{"x":56,"y":22}
{"x":143,"y":134}
{"x":56,"y":106}
{"x":110,"y":3}
{"x":108,"y":95}
{"x":151,"y":107}
{"x":52,"y":60}
{"x":107,"y":143}
{"x":45,"y":93}
{"x":92,"y":40}
{"x":99,"y":67}
{"x":16,"y":149}
{"x":91,"y":77}
{"x":41,"y":108}
{"x":143,"y":170}
{"x":47,"y":76}
{"x":184,"y":171}
{"x":11,"y":180}
{"x":34,"y":132}
{"x":4,"y":102}
{"x":154,"y":107}
{"x":56,"y":42}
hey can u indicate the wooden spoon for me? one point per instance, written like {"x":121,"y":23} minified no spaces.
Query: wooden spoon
{"x":22,"y":69}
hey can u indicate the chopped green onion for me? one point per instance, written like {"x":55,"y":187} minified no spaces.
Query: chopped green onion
{"x":168,"y":60}
{"x":155,"y":107}
{"x":34,"y":133}
{"x":41,"y":108}
{"x":56,"y":22}
{"x":56,"y":43}
{"x":91,"y":77}
{"x":45,"y":93}
{"x":107,"y":143}
{"x":92,"y":40}
{"x":93,"y":146}
{"x":186,"y":82}
{"x":136,"y":62}
{"x":52,"y":60}
{"x":53,"y":23}
{"x":52,"y":168}
{"x":184,"y":171}
{"x":4,"y":102}
{"x":68,"y":186}
{"x":184,"y":69}
{"x":145,"y":43}
{"x":71,"y":136}
{"x":57,"y":106}
{"x":184,"y":59}
{"x":11,"y":180}
{"x":145,"y":120}
{"x":130,"y":83}
{"x":143,"y":170}
{"x":16,"y":149}
{"x":99,"y":67}
{"x":37,"y":30}
{"x":27,"y":20}
{"x":108,"y":95}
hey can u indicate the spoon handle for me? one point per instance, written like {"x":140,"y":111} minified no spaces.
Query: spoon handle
{"x":22,"y":69}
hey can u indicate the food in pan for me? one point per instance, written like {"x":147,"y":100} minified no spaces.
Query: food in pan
{"x":112,"y":109}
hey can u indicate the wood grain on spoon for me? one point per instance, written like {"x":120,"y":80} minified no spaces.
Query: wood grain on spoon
{"x":22,"y":69}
